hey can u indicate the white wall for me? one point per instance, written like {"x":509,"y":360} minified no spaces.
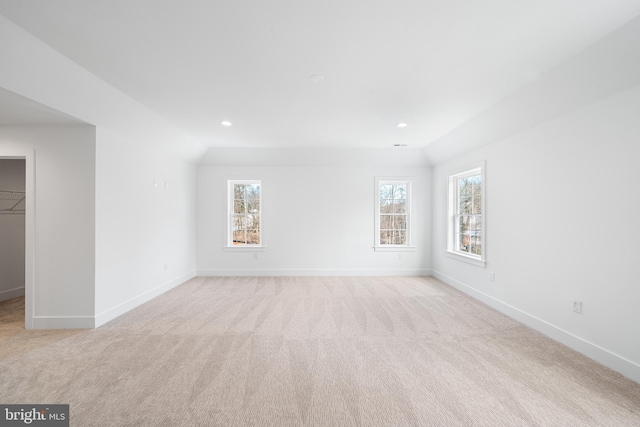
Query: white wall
{"x":140,"y":227}
{"x":12,"y":233}
{"x":317,"y":219}
{"x":103,"y":231}
{"x":64,"y":217}
{"x":561,"y":211}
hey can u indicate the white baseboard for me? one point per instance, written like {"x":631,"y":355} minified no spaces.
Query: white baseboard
{"x":618,"y":363}
{"x":63,"y":322}
{"x":134,"y":302}
{"x":11,"y":293}
{"x":253,"y":273}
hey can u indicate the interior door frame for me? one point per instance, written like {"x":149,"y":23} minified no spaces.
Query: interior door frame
{"x":30,"y":229}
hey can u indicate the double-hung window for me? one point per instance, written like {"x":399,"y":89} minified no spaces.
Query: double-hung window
{"x":467,"y":215}
{"x":393,"y":214}
{"x":245,"y":213}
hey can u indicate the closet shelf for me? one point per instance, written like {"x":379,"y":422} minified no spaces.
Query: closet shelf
{"x":12,"y":202}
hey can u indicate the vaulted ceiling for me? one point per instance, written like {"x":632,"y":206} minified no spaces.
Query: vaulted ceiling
{"x":434,"y":65}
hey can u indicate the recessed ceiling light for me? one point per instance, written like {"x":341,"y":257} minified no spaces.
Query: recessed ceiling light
{"x":225,"y":123}
{"x":399,"y":145}
{"x":402,"y":125}
{"x":316,"y":78}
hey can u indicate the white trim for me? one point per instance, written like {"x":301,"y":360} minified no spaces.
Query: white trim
{"x":452,"y":201}
{"x":242,"y":248}
{"x":407,"y":180}
{"x":467,"y":258}
{"x":30,"y":240}
{"x":64,"y":322}
{"x":395,"y":248}
{"x":11,"y":293}
{"x":294,"y":272}
{"x":230,"y":182}
{"x":134,"y":302}
{"x":614,"y":361}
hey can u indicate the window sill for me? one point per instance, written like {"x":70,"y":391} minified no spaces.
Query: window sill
{"x":393,"y":248}
{"x":244,"y":248}
{"x":468,"y":259}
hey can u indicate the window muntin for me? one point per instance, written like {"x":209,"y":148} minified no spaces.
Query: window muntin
{"x":466,"y":206}
{"x":245,"y":218}
{"x":392,"y":213}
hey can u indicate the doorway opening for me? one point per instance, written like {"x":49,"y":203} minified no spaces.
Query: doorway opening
{"x":17,"y":231}
{"x":12,"y":236}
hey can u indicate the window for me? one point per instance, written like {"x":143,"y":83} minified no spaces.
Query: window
{"x":245,"y":219}
{"x":393,"y":211}
{"x":466,"y":215}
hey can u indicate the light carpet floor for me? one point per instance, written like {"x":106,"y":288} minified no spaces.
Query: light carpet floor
{"x":316,"y":351}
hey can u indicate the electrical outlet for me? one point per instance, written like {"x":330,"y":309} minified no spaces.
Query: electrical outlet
{"x":577,"y":307}
{"x":255,"y":255}
{"x":166,"y":266}
{"x":492,"y":277}
{"x":400,"y":255}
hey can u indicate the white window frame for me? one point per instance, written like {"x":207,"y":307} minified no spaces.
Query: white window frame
{"x":453,"y":204}
{"x":393,"y":248}
{"x":229,"y":246}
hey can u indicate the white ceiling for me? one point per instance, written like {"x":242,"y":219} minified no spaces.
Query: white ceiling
{"x":433,"y":64}
{"x":18,"y":110}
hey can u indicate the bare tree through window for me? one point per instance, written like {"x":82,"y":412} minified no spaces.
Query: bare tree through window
{"x":468,"y":216}
{"x":393,"y":213}
{"x":245,"y":217}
